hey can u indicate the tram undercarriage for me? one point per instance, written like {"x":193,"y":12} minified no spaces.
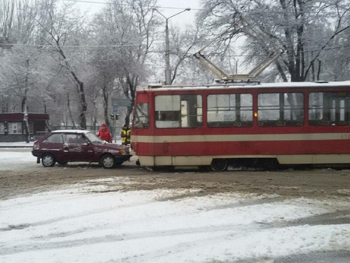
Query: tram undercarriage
{"x":269,"y":164}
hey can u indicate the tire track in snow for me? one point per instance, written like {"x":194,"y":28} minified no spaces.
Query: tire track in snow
{"x":45,"y":245}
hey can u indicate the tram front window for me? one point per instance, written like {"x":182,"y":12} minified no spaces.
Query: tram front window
{"x":141,"y":116}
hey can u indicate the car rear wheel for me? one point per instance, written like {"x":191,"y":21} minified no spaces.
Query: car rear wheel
{"x":108,"y":161}
{"x":48,"y":160}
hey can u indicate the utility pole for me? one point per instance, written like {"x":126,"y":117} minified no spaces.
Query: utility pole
{"x":167,"y":48}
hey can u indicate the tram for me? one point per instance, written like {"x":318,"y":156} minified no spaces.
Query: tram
{"x":242,"y":124}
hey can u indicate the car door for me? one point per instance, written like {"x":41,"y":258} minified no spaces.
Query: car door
{"x":54,"y":145}
{"x":77,"y":148}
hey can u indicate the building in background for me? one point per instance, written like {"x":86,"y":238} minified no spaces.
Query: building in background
{"x":12,"y":126}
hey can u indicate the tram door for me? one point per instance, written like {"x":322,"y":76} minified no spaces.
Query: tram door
{"x":178,"y":119}
{"x":340,"y":110}
{"x":329,"y":108}
{"x":337,"y":107}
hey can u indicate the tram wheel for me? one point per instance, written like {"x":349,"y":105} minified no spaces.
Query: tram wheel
{"x":219,"y":165}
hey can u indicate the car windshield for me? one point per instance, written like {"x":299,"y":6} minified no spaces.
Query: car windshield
{"x":93,"y":138}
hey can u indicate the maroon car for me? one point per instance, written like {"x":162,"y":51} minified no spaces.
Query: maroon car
{"x":63,"y":146}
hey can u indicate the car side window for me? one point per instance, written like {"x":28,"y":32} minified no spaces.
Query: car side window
{"x":80,"y":139}
{"x":54,"y":138}
{"x":75,"y":138}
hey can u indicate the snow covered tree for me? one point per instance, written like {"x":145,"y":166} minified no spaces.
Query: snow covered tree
{"x":126,"y":27}
{"x":304,"y":30}
{"x":61,"y":26}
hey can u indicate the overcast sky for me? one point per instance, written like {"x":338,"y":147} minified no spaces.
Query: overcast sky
{"x":166,"y":7}
{"x":187,"y":17}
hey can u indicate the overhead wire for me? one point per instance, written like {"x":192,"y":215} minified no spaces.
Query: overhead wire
{"x":198,"y":9}
{"x":137,"y":44}
{"x":133,"y":45}
{"x":156,"y":6}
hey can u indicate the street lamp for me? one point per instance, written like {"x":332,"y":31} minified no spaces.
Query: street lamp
{"x":167,"y":51}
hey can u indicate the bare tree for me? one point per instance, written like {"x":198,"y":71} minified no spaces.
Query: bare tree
{"x":183,"y":45}
{"x":127,"y":28}
{"x":20,"y":61}
{"x":108,"y":36}
{"x":62,"y":26}
{"x":7,"y":9}
{"x":303,"y":29}
{"x":23,"y":75}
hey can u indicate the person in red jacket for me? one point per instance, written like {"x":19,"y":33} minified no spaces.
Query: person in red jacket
{"x":104,"y":133}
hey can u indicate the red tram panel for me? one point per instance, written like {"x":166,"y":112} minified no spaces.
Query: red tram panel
{"x":289,"y":123}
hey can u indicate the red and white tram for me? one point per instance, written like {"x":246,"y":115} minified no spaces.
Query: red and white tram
{"x":265,"y":124}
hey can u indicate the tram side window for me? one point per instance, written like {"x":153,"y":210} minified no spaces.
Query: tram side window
{"x":280,"y":109}
{"x":329,"y":108}
{"x":230,"y":110}
{"x":141,"y":116}
{"x":178,"y":111}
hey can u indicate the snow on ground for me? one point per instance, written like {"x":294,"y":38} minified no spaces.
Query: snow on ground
{"x":10,"y":154}
{"x":16,"y":144}
{"x":75,"y":225}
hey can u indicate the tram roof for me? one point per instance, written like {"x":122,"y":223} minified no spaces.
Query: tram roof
{"x":253,"y":85}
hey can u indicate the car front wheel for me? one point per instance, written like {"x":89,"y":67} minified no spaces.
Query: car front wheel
{"x":48,"y":160}
{"x":108,"y":161}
